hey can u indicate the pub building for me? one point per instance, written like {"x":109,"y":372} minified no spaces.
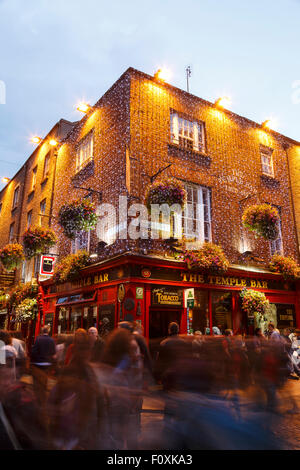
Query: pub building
{"x":152,"y":290}
{"x":140,"y":131}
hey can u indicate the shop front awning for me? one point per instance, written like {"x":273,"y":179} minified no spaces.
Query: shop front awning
{"x":84,"y":298}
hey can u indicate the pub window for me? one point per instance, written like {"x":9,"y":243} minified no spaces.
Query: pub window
{"x":33,"y":181}
{"x":187,"y":133}
{"x":46,"y":165}
{"x":267,"y":161}
{"x":221,"y":311}
{"x":37,"y":263}
{"x":11,"y":232}
{"x":16,"y":197}
{"x":81,"y":241}
{"x":197,"y":214}
{"x":42,"y":211}
{"x":84,"y":152}
{"x":29,"y":218}
{"x":276,"y":246}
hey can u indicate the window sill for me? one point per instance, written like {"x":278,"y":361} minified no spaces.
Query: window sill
{"x":269,"y":181}
{"x":198,"y":157}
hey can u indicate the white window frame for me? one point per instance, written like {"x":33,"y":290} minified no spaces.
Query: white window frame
{"x":29,"y":218}
{"x":266,"y":157}
{"x":198,"y":216}
{"x":42,"y":212}
{"x":34,"y":176}
{"x":85,"y":151}
{"x":276,"y":246}
{"x":16,"y":197}
{"x":46,"y":165}
{"x":187,"y":133}
{"x":11,"y":232}
{"x":77,"y":243}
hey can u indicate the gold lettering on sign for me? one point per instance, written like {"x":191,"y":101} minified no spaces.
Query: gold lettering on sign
{"x":253,"y":283}
{"x":100,"y":278}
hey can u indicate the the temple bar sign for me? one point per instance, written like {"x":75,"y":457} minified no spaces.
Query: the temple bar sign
{"x":224,"y":281}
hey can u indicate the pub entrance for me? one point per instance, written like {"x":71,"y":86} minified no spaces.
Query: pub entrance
{"x":159,"y":320}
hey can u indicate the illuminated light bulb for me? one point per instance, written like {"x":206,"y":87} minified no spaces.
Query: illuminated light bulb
{"x":223,"y":102}
{"x":162,"y":74}
{"x":53,"y":142}
{"x":269,"y":124}
{"x":83,"y":107}
{"x":35,"y":139}
{"x":5,"y":179}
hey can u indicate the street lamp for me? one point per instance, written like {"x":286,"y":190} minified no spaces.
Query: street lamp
{"x":5,"y":180}
{"x":84,"y":107}
{"x":35,"y":139}
{"x":162,"y":74}
{"x":223,"y":102}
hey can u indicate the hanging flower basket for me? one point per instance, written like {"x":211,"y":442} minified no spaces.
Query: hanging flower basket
{"x":37,"y":239}
{"x":11,"y":256}
{"x":26,"y":310}
{"x":263,"y":219}
{"x":286,"y":266}
{"x":69,"y":267}
{"x":168,"y":191}
{"x":209,"y":258}
{"x":20,"y":292}
{"x":254,"y":303}
{"x":77,"y":216}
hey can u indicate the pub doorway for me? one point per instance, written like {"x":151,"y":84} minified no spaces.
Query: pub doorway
{"x":159,"y":320}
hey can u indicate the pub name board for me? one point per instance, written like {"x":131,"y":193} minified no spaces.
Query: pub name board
{"x":224,"y":281}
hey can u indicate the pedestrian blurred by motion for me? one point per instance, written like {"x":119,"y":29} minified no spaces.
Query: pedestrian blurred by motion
{"x":170,"y":351}
{"x":96,"y":344}
{"x":61,"y":349}
{"x":19,"y":344}
{"x":8,"y":353}
{"x":273,"y":333}
{"x":79,"y":336}
{"x":75,"y":404}
{"x":197,"y":343}
{"x":122,"y":374}
{"x":43,"y":356}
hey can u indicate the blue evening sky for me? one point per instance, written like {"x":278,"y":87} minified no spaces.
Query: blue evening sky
{"x":55,"y":52}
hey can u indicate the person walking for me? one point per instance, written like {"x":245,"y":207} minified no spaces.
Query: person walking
{"x":43,"y":355}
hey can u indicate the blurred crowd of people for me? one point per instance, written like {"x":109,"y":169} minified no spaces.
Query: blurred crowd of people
{"x":87,"y":391}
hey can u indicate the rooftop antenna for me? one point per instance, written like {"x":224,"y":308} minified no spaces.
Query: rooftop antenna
{"x":188,"y":74}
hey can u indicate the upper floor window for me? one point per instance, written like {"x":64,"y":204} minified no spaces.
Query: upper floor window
{"x":46,"y":165}
{"x":33,"y":181}
{"x":267,"y":161}
{"x":0,"y":208}
{"x":11,"y":232}
{"x":84,"y":152}
{"x":186,"y":133}
{"x":16,"y":197}
{"x":42,"y":211}
{"x":29,"y":218}
{"x":81,"y":242}
{"x":276,"y":246}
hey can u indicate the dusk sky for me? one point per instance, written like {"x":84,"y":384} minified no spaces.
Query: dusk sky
{"x":54,"y":53}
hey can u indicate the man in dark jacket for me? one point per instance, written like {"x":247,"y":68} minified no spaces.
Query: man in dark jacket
{"x":42,"y":359}
{"x":171,"y":351}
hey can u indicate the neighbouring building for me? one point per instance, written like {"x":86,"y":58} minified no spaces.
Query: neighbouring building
{"x":141,"y":130}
